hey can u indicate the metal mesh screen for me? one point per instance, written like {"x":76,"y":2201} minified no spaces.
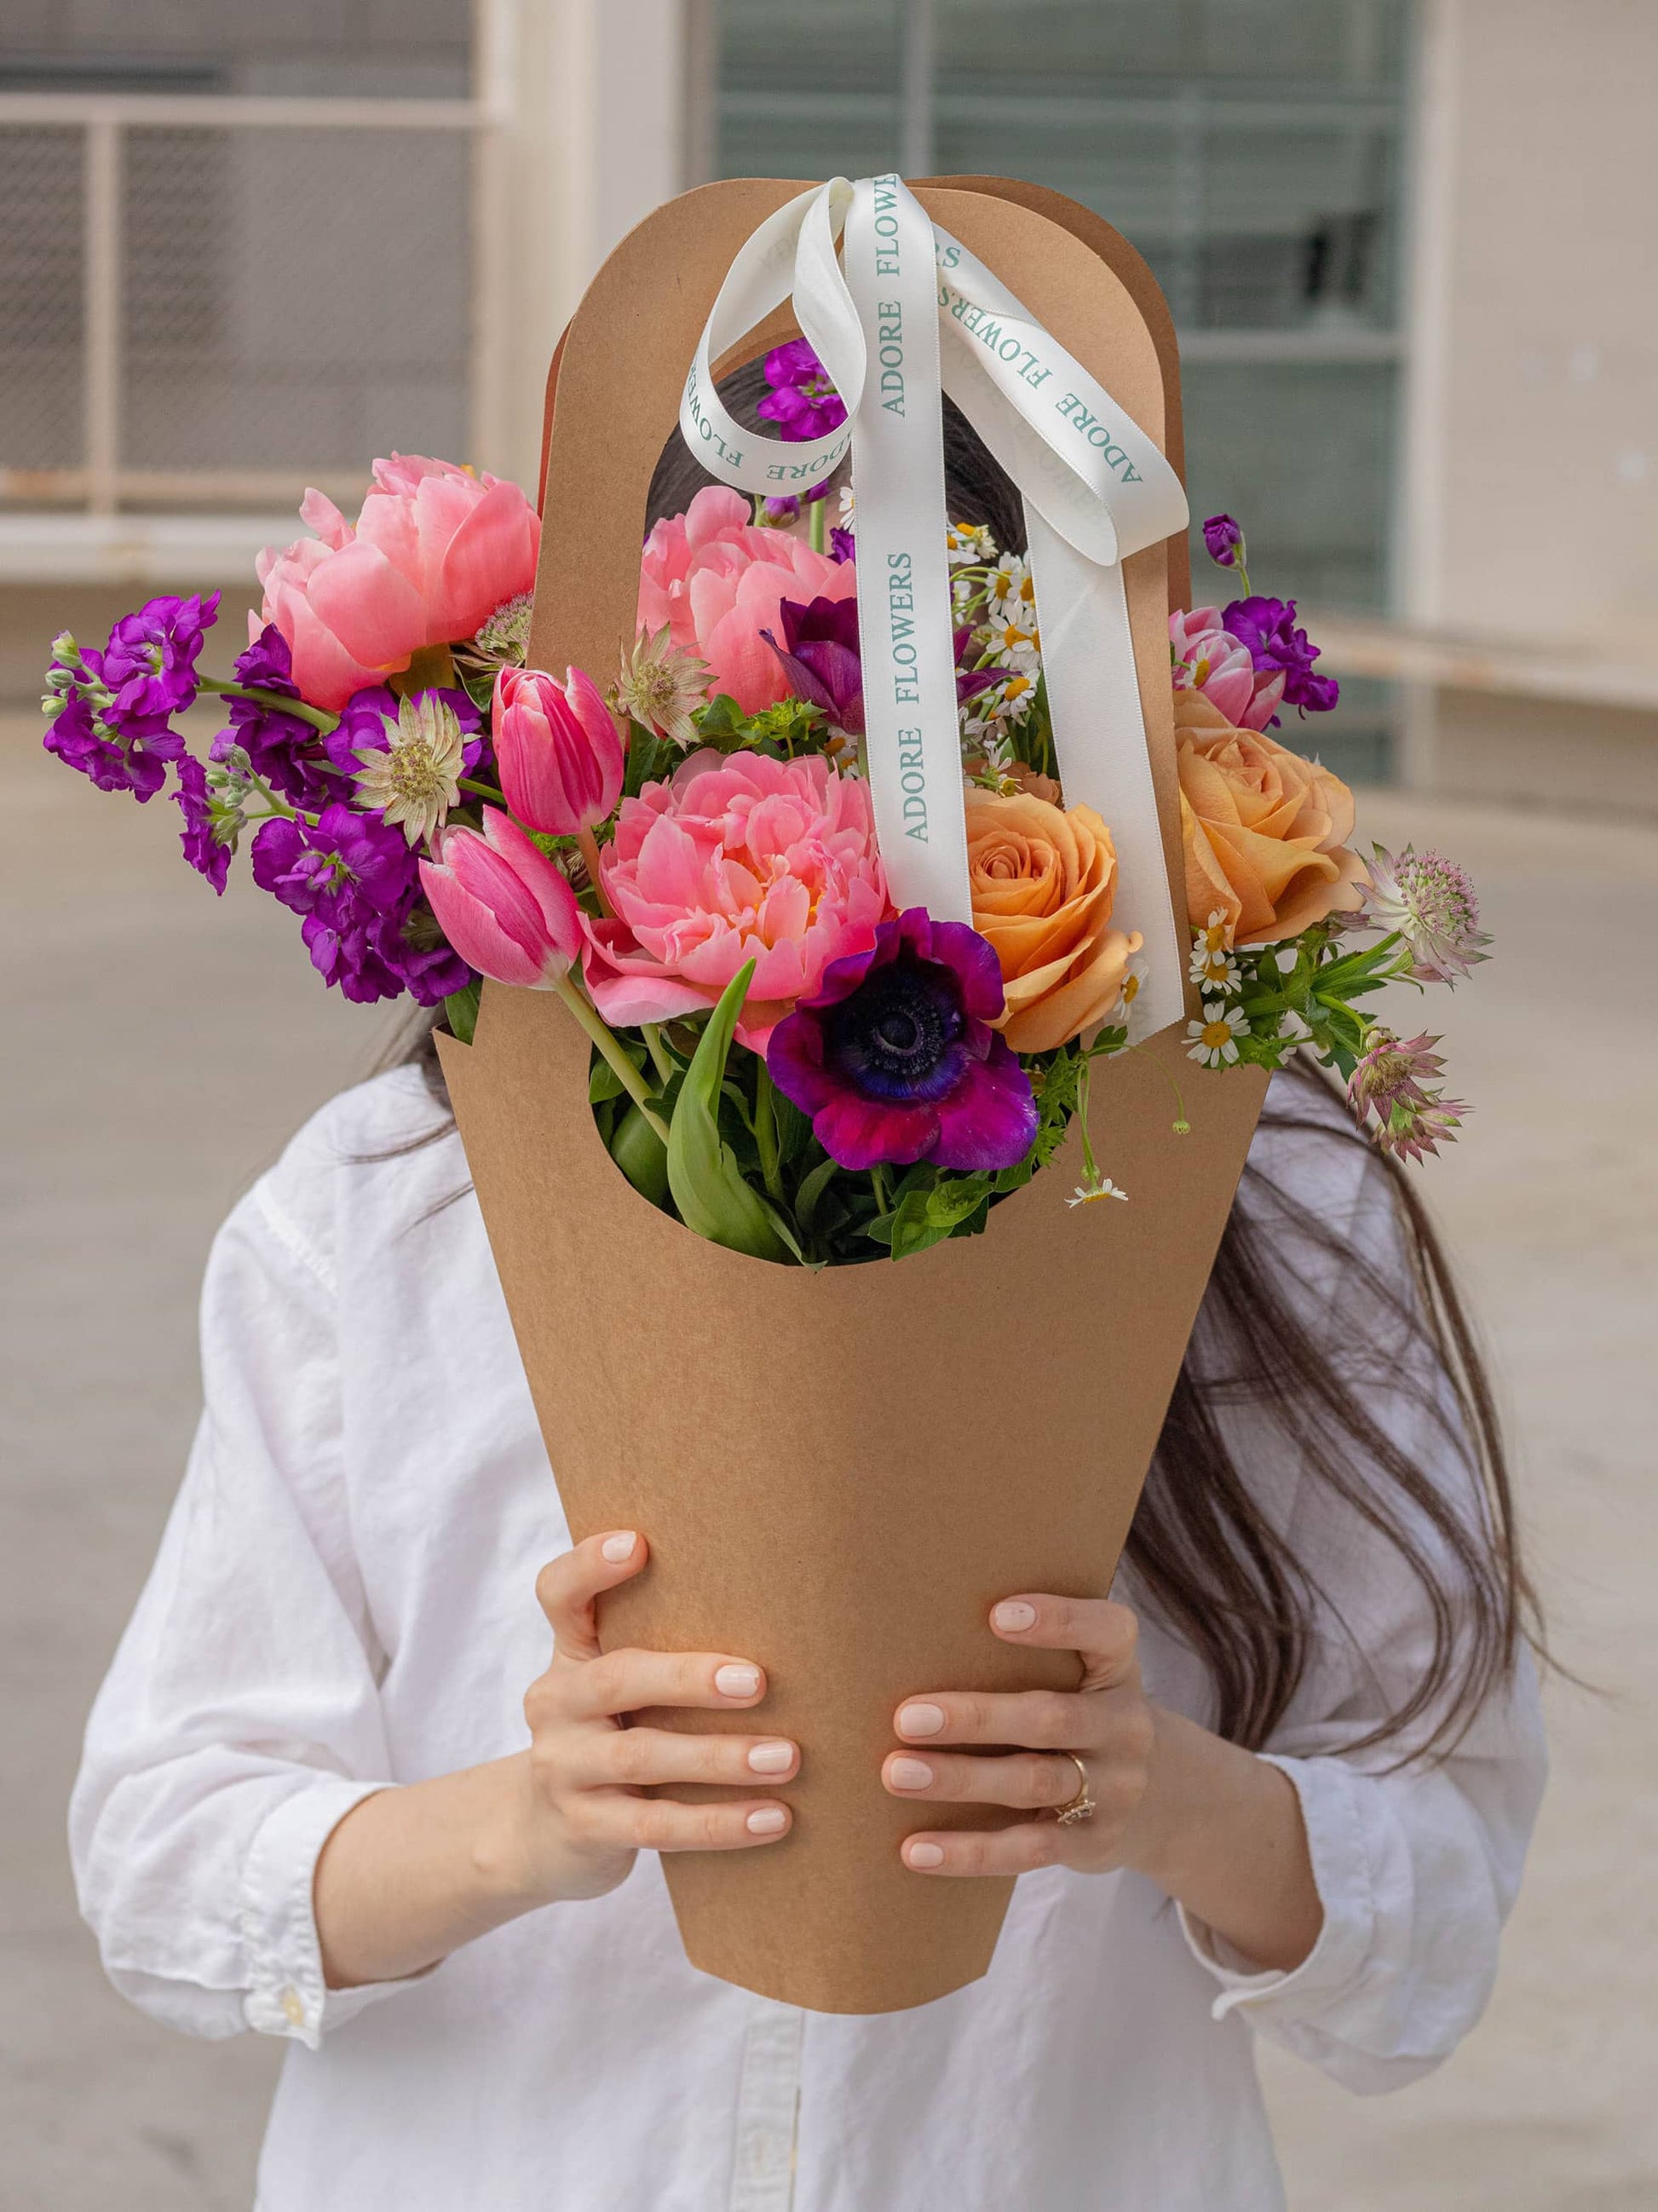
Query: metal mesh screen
{"x":293,"y":299}
{"x":41,"y":402}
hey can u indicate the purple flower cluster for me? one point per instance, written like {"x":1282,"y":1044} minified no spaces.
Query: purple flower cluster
{"x":802,"y":401}
{"x":1267,"y":628}
{"x":115,"y":723}
{"x":208,"y":854}
{"x":356,"y":884}
{"x":285,"y":751}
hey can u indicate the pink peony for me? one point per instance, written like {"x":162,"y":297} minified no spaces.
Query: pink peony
{"x":737,"y":859}
{"x":717,"y":581}
{"x":434,"y":553}
{"x":1210,"y":660}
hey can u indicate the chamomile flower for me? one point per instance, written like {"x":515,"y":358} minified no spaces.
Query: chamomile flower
{"x":1214,"y":1040}
{"x":1215,"y":935}
{"x":969,"y":543}
{"x":1013,"y":637}
{"x":1133,"y":983}
{"x":1213,"y":966}
{"x":1095,"y":1187}
{"x":1008,"y":586}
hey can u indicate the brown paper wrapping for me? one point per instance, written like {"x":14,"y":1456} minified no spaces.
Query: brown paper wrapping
{"x":840,"y":1472}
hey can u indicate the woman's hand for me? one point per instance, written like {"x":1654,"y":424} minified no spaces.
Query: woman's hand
{"x":1107,"y":1723}
{"x":1216,"y":1827}
{"x":583,"y":1815}
{"x":411,"y":1874}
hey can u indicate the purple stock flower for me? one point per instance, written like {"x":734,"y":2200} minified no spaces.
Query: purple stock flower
{"x":149,"y":663}
{"x":356,"y":884}
{"x":205,"y":852}
{"x":1222,"y":540}
{"x":843,"y":543}
{"x":82,"y":742}
{"x":285,"y":751}
{"x":1267,"y":628}
{"x":802,"y":401}
{"x":895,"y":1059}
{"x":821,"y":658}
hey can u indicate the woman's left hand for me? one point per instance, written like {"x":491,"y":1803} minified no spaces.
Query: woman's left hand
{"x":1108,"y":1723}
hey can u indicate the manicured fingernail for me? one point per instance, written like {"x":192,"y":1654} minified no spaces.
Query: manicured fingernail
{"x":736,"y":1681}
{"x":920,"y":1720}
{"x":617,"y":1548}
{"x":769,"y":1821}
{"x":925,"y":1855}
{"x":1013,"y":1613}
{"x":771,"y":1758}
{"x":910,"y":1774}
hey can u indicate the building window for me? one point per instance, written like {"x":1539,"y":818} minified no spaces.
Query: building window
{"x":1250,"y":148}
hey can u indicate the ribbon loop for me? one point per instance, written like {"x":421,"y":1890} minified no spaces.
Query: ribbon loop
{"x":914,"y":314}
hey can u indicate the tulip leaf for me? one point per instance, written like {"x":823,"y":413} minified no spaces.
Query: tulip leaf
{"x":460,"y":1010}
{"x":638,"y":1153}
{"x":703,"y":1173}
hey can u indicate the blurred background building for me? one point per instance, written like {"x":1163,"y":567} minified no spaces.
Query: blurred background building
{"x":245,"y":248}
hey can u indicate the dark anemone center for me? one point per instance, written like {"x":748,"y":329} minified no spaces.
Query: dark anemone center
{"x":899,"y":1035}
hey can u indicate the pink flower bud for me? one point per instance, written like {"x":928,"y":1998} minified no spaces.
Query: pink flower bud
{"x":502,"y":904}
{"x":557,"y":749}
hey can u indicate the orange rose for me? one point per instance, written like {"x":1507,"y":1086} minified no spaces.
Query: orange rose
{"x":1043,"y":880}
{"x":1264,"y":830}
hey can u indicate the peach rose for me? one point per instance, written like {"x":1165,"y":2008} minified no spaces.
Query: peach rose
{"x":1265,"y":831}
{"x":1043,"y":879}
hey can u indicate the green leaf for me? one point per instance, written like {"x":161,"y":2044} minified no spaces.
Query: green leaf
{"x":641,"y":1156}
{"x":460,"y":1010}
{"x":603,"y":1082}
{"x":811,"y":1189}
{"x":708,"y":1184}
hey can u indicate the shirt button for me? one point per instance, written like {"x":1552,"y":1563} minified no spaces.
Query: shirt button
{"x":292,"y":2007}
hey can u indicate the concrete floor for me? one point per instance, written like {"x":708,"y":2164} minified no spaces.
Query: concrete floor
{"x":160,"y":1051}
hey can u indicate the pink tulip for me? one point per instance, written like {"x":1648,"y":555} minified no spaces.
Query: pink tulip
{"x":717,"y":581}
{"x":434,"y":553}
{"x":557,"y":749}
{"x":1210,"y":660}
{"x":503,"y":906}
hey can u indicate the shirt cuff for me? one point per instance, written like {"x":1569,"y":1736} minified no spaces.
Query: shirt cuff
{"x":286,"y":1993}
{"x":1332,"y":1811}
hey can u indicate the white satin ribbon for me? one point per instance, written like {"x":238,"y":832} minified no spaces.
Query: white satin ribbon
{"x":914,"y":315}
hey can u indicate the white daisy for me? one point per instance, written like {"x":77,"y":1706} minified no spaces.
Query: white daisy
{"x":969,"y":543}
{"x":1214,"y":1040}
{"x":1101,"y":1187}
{"x":1008,"y":585}
{"x":1014,"y":637}
{"x":1213,"y":967}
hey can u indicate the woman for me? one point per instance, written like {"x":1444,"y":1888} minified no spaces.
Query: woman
{"x":336,"y":1790}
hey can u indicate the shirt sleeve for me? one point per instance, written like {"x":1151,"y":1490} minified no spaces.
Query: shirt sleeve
{"x":241,"y":1720}
{"x":1416,"y":1854}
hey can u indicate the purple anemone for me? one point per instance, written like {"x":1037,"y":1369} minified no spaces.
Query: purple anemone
{"x":820,"y":656}
{"x":895,"y":1060}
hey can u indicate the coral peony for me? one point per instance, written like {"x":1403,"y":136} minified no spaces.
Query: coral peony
{"x":1043,"y":881}
{"x":896,"y":1058}
{"x":434,"y":553}
{"x":718,"y":581}
{"x":1265,"y":831}
{"x":734,"y":859}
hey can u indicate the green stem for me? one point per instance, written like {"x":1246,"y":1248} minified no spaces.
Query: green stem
{"x":280,"y":700}
{"x":658,"y":1051}
{"x":478,"y":790}
{"x":765,"y":1131}
{"x":620,"y":1066}
{"x":878,"y":1176}
{"x":1090,"y":1172}
{"x":277,"y":805}
{"x":817,"y":524}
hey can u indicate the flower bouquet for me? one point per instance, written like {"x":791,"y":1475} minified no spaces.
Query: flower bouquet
{"x":830,"y":886}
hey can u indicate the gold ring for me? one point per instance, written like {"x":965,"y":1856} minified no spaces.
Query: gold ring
{"x":1082,"y":1806}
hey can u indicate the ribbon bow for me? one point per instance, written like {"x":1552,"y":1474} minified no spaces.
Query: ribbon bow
{"x":914,"y":315}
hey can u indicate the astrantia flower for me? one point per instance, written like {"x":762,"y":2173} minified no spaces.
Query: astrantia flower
{"x":1391,"y":1084}
{"x":1267,"y":628}
{"x":505,"y":638}
{"x":895,"y":1059}
{"x":1214,"y":1040}
{"x":206,"y":851}
{"x":662,"y":686}
{"x":803,"y":401}
{"x":284,"y":751}
{"x":413,"y":778}
{"x":1430,"y":901}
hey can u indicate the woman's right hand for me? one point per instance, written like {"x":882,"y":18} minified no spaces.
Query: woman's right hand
{"x":582,"y":1815}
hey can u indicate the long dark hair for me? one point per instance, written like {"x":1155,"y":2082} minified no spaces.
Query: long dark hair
{"x":1208,"y":1558}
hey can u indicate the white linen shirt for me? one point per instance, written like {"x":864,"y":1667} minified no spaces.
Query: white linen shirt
{"x":344,"y":1600}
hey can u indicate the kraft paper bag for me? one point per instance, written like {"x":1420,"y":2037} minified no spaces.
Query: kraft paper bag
{"x":840,"y":1471}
